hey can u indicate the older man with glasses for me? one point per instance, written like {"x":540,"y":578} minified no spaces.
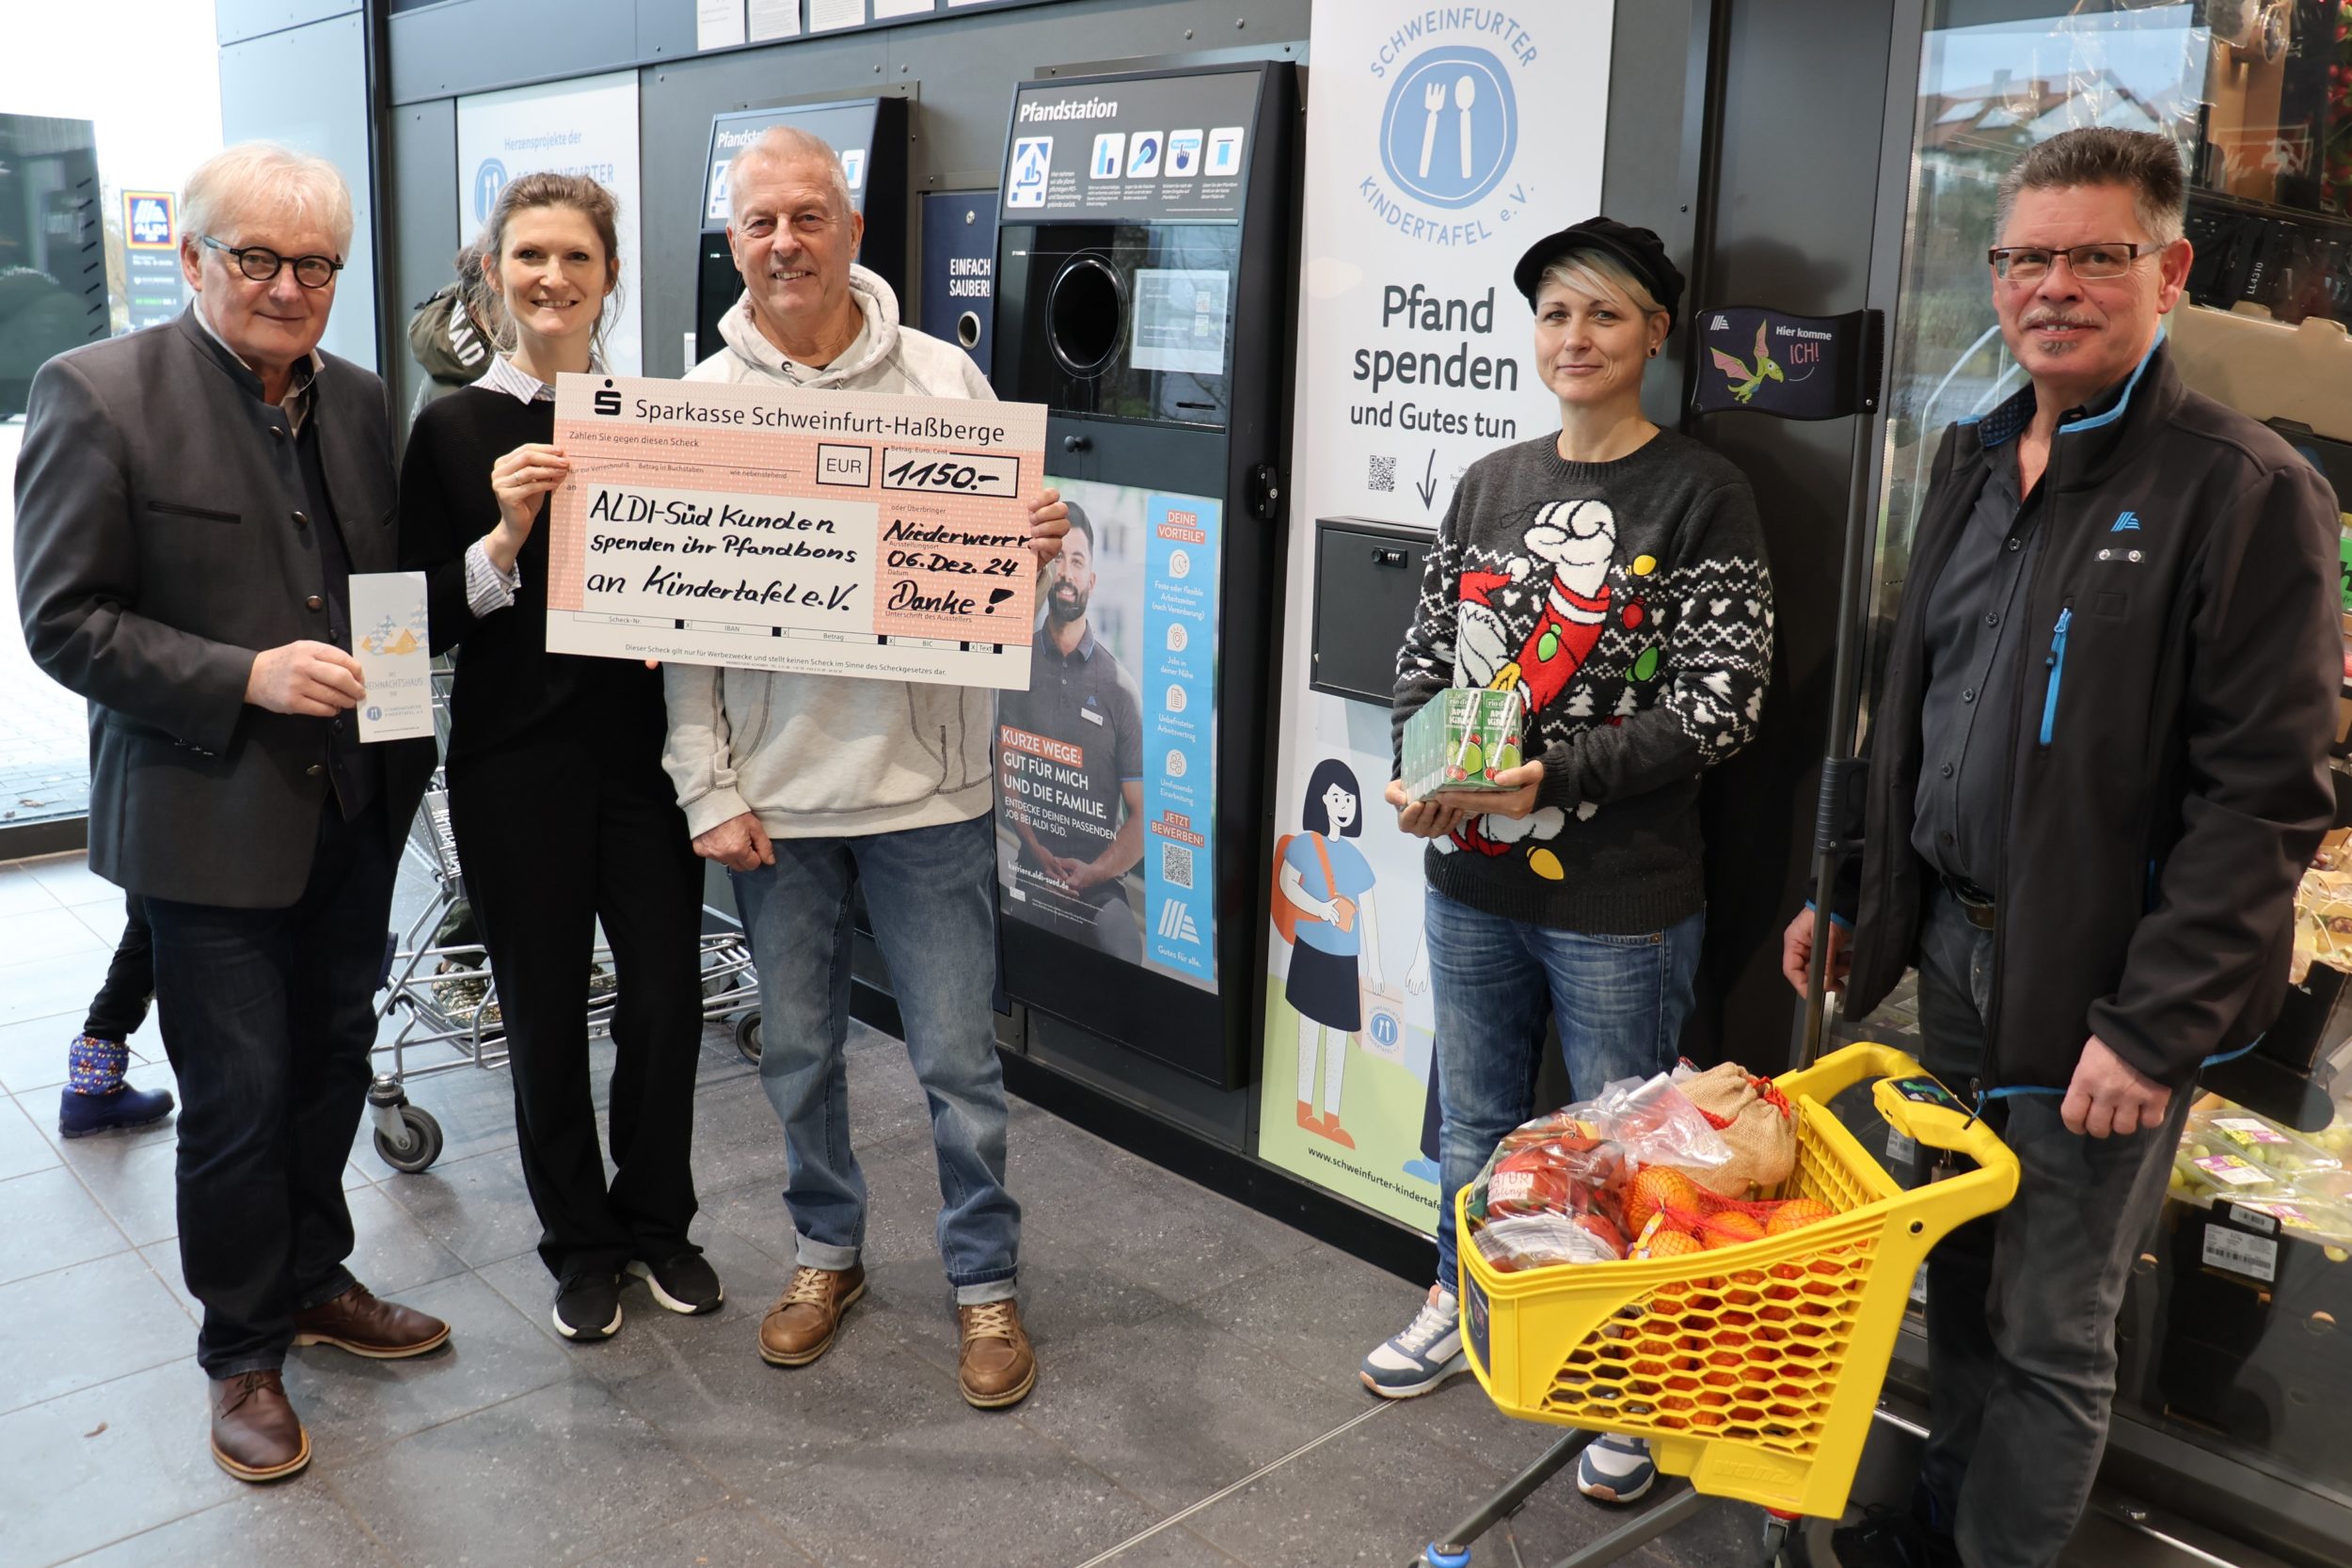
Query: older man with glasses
{"x":191,"y":503}
{"x":2099,"y":768}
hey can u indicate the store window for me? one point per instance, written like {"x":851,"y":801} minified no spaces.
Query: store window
{"x":96,"y":138}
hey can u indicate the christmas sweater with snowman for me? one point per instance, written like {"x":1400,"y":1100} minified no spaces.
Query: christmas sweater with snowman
{"x":1628,"y":603}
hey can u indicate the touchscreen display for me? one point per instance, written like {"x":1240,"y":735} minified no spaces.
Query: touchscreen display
{"x":1180,"y":320}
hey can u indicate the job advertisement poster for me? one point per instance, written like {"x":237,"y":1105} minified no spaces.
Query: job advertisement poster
{"x":1106,"y":763}
{"x":769,"y":528}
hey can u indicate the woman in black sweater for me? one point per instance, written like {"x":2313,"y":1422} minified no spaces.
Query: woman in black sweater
{"x":562,"y":812}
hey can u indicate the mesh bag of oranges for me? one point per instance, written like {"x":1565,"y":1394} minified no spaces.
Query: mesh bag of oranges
{"x":1745,"y":1337}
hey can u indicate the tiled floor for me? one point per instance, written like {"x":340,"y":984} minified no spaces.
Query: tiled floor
{"x":1197,"y":1404}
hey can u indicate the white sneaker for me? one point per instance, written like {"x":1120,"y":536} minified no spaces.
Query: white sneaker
{"x":1428,"y":1351}
{"x":1614,"y":1470}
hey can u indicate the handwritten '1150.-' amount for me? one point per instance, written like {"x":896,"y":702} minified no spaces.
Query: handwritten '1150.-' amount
{"x":958,"y":473}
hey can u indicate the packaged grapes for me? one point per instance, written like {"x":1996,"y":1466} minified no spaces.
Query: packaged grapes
{"x":2227,"y":1128}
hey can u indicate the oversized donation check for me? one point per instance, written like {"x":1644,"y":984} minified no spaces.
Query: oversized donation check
{"x":821,"y":533}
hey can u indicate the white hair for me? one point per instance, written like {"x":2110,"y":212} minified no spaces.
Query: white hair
{"x":260,"y":181}
{"x":784,"y":143}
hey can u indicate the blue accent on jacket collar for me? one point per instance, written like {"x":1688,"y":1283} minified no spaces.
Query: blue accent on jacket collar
{"x":1995,"y":429}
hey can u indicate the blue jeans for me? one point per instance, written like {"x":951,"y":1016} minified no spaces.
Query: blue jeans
{"x":932,"y":895}
{"x":268,"y":1016}
{"x":1619,"y":1003}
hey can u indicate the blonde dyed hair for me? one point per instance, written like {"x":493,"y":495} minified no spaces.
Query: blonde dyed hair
{"x":1597,"y":275}
{"x":262,"y":183}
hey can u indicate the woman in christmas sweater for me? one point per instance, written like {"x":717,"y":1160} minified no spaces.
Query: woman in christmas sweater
{"x":1613,"y":575}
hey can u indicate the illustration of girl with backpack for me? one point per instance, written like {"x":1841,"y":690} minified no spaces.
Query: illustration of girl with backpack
{"x":1323,"y":908}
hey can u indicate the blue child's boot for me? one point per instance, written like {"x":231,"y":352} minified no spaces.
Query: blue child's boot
{"x":95,"y":1097}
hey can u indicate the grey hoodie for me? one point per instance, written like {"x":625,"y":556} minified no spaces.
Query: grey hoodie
{"x":825,"y":755}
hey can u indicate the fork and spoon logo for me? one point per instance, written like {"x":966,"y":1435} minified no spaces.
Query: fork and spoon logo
{"x":1433,"y":100}
{"x":1458,"y":94}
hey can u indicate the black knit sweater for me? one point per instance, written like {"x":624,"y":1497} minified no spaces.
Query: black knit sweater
{"x":509,"y":689}
{"x":1629,"y":601}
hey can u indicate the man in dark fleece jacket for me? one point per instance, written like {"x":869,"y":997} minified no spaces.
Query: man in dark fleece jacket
{"x":2097,"y":770}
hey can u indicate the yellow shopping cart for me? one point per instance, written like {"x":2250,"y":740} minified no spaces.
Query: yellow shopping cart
{"x":1753,"y":1370}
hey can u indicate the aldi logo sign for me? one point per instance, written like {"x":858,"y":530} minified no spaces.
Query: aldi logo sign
{"x":153,"y":291}
{"x":151,"y":220}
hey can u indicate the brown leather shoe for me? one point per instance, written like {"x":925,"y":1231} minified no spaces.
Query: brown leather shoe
{"x":256,"y":1433}
{"x":994,"y":1366}
{"x":357,"y":1321}
{"x":799,"y":1328}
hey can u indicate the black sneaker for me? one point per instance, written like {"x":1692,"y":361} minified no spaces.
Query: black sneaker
{"x":683,"y":1282}
{"x":588,"y":1306}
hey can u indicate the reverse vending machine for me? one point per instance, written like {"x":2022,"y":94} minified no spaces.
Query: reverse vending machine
{"x":1142,"y":261}
{"x":960,"y":271}
{"x":870,"y":134}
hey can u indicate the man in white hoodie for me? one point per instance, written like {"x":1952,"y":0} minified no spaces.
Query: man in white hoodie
{"x":805,"y":787}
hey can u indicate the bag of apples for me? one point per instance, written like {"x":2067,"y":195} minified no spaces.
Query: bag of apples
{"x":1551,"y":1200}
{"x":1554,"y":1190}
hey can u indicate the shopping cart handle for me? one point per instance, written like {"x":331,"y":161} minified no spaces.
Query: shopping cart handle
{"x":1841,"y":1069}
{"x":1906,"y":1094}
{"x":1924,"y":1111}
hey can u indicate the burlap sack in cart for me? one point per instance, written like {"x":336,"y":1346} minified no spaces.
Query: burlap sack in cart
{"x":1754,"y":1118}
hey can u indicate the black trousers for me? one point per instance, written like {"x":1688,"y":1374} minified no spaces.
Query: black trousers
{"x":121,"y":1005}
{"x":268,"y":1016}
{"x":554,"y":836}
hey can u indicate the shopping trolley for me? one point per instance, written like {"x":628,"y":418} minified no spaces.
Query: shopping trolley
{"x":1753,"y":1369}
{"x":448,"y":998}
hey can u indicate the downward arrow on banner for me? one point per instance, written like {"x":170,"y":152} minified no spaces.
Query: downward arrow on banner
{"x":1427,"y":483}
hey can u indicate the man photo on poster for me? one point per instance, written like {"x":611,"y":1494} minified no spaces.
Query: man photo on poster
{"x":1073,"y":761}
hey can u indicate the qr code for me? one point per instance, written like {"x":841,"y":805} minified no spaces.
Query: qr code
{"x":1384,"y":473}
{"x":1176,"y":866}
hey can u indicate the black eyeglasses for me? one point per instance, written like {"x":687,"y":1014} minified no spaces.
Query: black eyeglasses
{"x":260,"y":263}
{"x":2026,"y":264}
